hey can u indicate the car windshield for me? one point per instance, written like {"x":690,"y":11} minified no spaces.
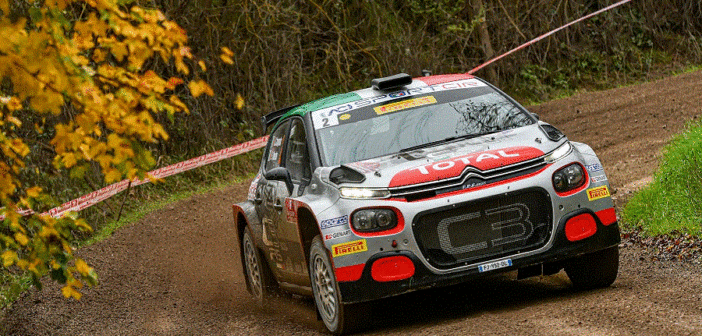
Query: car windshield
{"x":414,"y":121}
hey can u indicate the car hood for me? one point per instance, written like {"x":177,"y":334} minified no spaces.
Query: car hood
{"x":451,"y":159}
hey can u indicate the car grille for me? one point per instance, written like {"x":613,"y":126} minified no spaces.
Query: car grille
{"x":484,"y":229}
{"x":471,"y":178}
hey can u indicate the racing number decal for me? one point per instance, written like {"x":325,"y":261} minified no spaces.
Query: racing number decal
{"x":524,"y":228}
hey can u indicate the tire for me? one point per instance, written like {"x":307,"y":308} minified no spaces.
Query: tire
{"x":594,"y":270}
{"x":259,"y":279}
{"x":338,"y":317}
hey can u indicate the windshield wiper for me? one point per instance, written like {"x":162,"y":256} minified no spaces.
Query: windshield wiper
{"x":449,"y":139}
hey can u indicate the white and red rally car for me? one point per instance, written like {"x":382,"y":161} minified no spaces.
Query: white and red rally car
{"x":416,"y":183}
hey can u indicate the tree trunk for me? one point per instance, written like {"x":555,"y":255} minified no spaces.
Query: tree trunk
{"x":484,"y":37}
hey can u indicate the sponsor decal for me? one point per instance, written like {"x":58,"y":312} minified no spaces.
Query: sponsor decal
{"x":329,"y":223}
{"x":405,"y":104}
{"x":335,"y":235}
{"x":355,"y":246}
{"x":252,"y":188}
{"x":454,"y":167}
{"x":291,"y":206}
{"x":598,"y":179}
{"x":593,"y":168}
{"x":597,"y":193}
{"x":332,"y":113}
{"x":345,"y":116}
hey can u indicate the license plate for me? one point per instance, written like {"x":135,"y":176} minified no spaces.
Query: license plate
{"x":495,"y":265}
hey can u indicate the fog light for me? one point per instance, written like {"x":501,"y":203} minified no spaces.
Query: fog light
{"x":372,"y":220}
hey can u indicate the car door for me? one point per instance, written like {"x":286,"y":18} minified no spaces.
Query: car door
{"x":281,"y":236}
{"x":269,"y":206}
{"x":297,"y":162}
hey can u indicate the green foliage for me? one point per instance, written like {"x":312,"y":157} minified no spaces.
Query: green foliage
{"x":673,"y":201}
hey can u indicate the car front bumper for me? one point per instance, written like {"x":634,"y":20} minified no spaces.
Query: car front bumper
{"x":554,"y":258}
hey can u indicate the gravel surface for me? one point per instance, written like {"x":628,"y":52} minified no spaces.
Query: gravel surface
{"x":177,"y":271}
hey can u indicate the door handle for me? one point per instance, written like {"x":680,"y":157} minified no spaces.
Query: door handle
{"x":278,"y":205}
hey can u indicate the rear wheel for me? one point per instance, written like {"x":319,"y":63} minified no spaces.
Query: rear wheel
{"x":338,"y":317}
{"x":594,"y":270}
{"x":258,"y":277}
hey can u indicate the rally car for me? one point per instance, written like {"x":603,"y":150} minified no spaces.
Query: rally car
{"x":415,"y":183}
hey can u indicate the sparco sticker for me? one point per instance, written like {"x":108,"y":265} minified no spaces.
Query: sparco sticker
{"x":597,"y":193}
{"x":335,"y":235}
{"x":349,"y":248}
{"x":328,"y":223}
{"x":594,"y":167}
{"x":598,"y":179}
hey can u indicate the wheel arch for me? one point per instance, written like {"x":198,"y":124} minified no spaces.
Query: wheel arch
{"x":307,"y":224}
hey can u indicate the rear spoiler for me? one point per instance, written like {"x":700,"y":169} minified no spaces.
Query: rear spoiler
{"x":273,"y":117}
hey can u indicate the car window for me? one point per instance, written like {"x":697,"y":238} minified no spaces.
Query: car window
{"x":386,"y":128}
{"x":277,"y":143}
{"x":297,"y":159}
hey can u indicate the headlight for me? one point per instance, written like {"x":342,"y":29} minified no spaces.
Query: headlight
{"x":363,"y":193}
{"x":558,"y":153}
{"x":371,"y":220}
{"x":568,"y":178}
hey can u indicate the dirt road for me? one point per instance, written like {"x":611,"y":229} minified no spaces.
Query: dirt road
{"x":176,"y":272}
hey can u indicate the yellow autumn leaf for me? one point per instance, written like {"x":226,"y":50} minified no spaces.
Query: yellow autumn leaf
{"x":112,"y":175}
{"x":68,"y":292}
{"x":14,"y":120}
{"x":21,"y":239}
{"x":202,"y":65}
{"x":22,"y":264}
{"x":8,"y":258}
{"x":226,"y":51}
{"x":82,"y":267}
{"x":198,"y":87}
{"x":226,"y":59}
{"x":239,"y":101}
{"x":5,"y":6}
{"x":33,"y":191}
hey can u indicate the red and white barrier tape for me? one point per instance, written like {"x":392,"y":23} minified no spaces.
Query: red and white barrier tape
{"x":545,"y":36}
{"x":100,"y":195}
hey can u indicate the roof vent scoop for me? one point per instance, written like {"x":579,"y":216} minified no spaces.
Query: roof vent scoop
{"x":391,"y":82}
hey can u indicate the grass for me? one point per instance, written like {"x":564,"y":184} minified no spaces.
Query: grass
{"x":672,"y":203}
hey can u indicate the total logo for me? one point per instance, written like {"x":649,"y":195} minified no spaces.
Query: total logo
{"x":454,"y":167}
{"x":444,"y":165}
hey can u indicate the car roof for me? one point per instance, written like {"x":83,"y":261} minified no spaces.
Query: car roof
{"x":348,"y":97}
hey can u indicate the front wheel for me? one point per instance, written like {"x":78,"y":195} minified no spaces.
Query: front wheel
{"x":338,"y":317}
{"x":594,"y":270}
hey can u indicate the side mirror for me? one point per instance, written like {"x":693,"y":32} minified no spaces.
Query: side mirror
{"x":280,"y":174}
{"x":535,"y":115}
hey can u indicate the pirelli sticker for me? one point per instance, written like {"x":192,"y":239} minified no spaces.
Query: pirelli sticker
{"x":349,"y":248}
{"x":405,"y":104}
{"x":597,"y":193}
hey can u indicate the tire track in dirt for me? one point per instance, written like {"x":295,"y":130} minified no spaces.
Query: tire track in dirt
{"x":177,"y":271}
